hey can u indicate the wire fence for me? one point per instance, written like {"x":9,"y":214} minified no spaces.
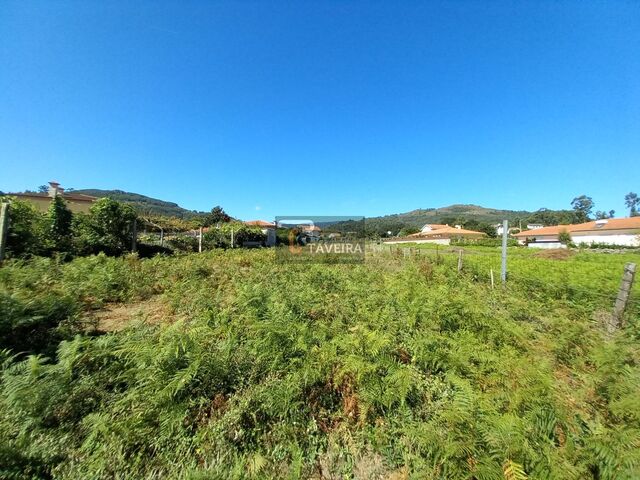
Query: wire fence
{"x":590,"y":278}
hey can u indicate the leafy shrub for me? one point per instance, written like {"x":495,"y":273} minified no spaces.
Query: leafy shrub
{"x":107,"y":228}
{"x":564,"y":237}
{"x":26,"y":233}
{"x":183,"y":243}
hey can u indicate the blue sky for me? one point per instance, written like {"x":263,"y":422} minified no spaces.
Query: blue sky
{"x":334,"y":108}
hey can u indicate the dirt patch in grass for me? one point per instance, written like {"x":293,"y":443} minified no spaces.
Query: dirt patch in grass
{"x":117,"y":316}
{"x":556,"y":254}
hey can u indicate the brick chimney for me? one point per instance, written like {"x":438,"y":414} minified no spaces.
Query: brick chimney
{"x":54,"y":189}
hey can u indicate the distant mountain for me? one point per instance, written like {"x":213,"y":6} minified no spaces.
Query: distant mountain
{"x":144,"y":204}
{"x":419,"y":217}
{"x":471,"y":216}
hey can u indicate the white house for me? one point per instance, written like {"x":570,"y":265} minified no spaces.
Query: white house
{"x":440,"y":236}
{"x":611,"y":231}
{"x":268,"y":228}
{"x":531,"y":226}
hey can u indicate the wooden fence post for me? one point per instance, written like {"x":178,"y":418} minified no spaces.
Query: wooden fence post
{"x":134,"y":236}
{"x":623,"y":295}
{"x":4,"y":228}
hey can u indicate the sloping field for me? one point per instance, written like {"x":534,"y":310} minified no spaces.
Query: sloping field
{"x":234,"y":366}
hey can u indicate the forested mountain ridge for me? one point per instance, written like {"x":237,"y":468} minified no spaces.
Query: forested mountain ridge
{"x":143,"y":203}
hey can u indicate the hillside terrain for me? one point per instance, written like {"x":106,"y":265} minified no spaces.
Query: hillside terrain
{"x":473,"y":217}
{"x":143,"y":204}
{"x":469,"y":215}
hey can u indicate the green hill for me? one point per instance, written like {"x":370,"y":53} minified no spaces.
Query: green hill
{"x":421,"y":216}
{"x":470,"y":216}
{"x":144,"y":204}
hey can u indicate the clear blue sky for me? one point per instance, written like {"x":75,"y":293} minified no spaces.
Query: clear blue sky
{"x":326,"y":107}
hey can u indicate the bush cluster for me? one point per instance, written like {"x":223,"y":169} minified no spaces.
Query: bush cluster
{"x":106,"y":228}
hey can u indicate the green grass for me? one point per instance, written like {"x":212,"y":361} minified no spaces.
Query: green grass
{"x":397,"y":368}
{"x":591,"y":276}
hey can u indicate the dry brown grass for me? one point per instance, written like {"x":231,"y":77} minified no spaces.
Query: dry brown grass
{"x":117,"y":316}
{"x":556,"y":254}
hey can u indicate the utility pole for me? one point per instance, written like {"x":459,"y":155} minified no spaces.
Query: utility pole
{"x":505,"y":232}
{"x":4,"y":227}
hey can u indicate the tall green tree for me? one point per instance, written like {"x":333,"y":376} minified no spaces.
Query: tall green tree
{"x":59,"y":219}
{"x":583,"y":206}
{"x":216,"y":216}
{"x":632,"y":202}
{"x":601,"y":215}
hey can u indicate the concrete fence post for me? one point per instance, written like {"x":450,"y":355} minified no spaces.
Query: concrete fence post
{"x":200,"y":240}
{"x":460,"y":261}
{"x":505,"y":234}
{"x":4,"y":228}
{"x":620,"y":304}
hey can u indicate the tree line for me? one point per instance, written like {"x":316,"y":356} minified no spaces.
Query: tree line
{"x":583,"y":207}
{"x":107,"y":227}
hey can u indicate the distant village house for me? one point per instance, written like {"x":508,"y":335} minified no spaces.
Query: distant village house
{"x":439,"y":234}
{"x":76,"y":202}
{"x":611,"y":231}
{"x":268,"y":229}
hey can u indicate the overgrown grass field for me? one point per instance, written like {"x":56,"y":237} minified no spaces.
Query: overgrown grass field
{"x":398,"y":368}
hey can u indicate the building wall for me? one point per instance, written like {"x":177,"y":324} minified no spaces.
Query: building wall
{"x":78,"y":207}
{"x":547,"y":245}
{"x":271,"y":236}
{"x":623,"y":239}
{"x":626,"y":239}
{"x":42,"y":203}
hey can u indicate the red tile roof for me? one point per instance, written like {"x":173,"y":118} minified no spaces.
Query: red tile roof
{"x":435,"y":226}
{"x":631,"y":223}
{"x":447,"y":231}
{"x":260,"y":223}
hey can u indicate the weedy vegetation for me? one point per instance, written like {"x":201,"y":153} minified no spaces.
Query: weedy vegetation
{"x":397,"y":368}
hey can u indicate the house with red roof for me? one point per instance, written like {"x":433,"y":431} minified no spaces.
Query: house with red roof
{"x":610,"y":231}
{"x":268,"y":228}
{"x":441,"y":234}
